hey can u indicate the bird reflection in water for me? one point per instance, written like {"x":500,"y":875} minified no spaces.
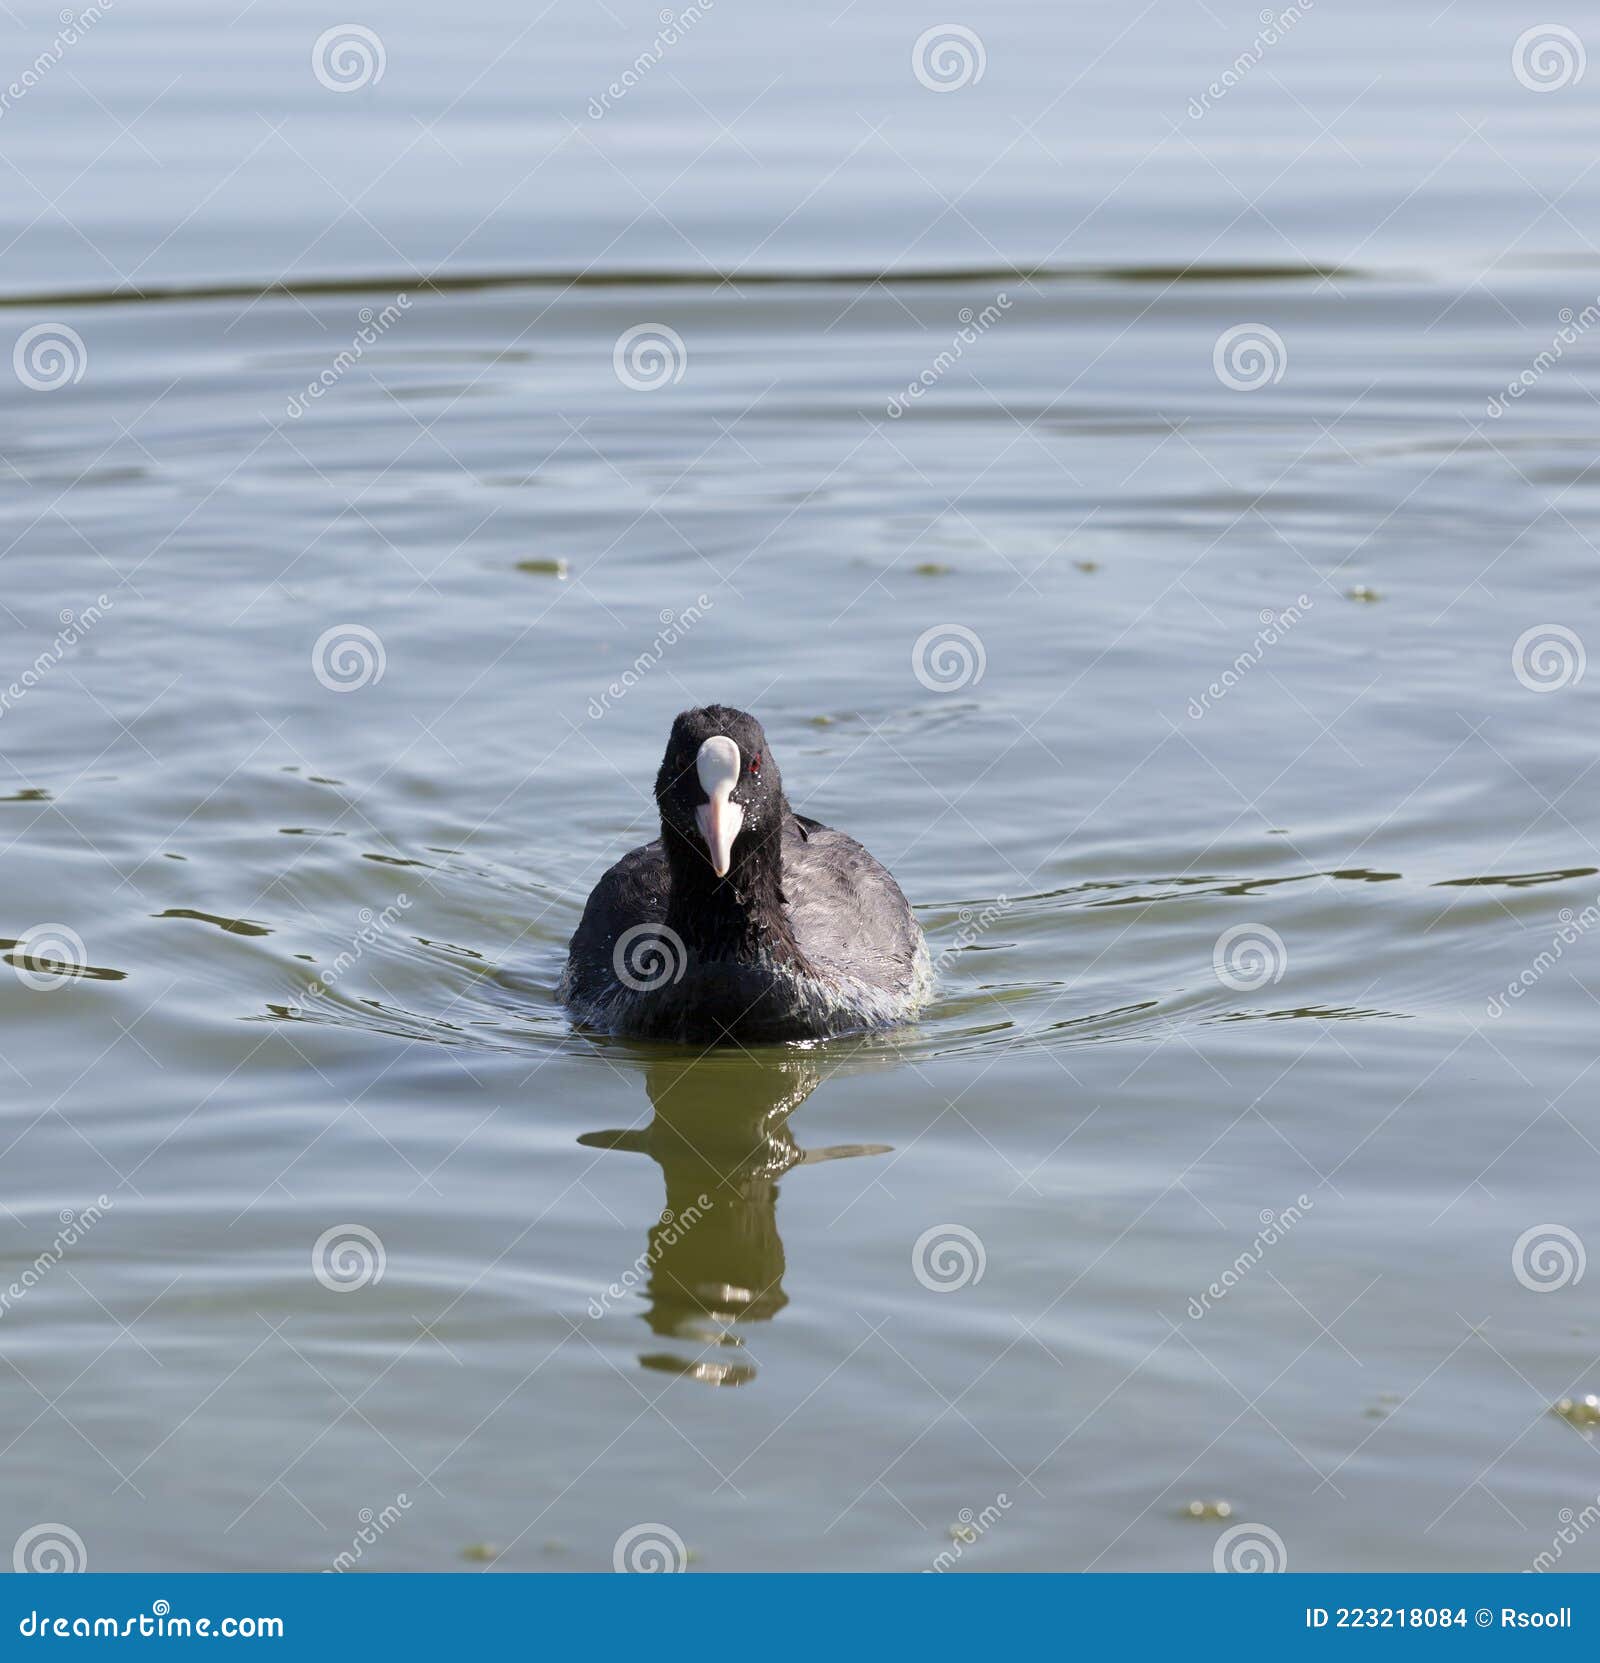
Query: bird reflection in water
{"x":713,"y":1258}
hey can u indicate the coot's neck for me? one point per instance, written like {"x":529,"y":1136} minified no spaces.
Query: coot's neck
{"x":742,"y":917}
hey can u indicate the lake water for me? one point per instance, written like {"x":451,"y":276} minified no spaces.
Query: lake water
{"x":1196,"y":643}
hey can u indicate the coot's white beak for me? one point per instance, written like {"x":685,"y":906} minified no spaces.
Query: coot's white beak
{"x":719,"y":819}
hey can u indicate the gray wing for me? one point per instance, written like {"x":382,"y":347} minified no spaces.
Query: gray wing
{"x":849,"y":914}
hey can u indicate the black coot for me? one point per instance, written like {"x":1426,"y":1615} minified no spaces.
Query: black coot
{"x":743,"y":921}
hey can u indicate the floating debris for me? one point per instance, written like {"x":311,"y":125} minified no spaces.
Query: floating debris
{"x":544,"y":568}
{"x":1208,"y":1510}
{"x":1362,"y":592}
{"x":1087,"y":565}
{"x":933,"y":568}
{"x":480,"y":1553}
{"x":1579,"y":1411}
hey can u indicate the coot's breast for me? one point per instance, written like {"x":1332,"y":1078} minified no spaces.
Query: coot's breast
{"x":868,"y":962}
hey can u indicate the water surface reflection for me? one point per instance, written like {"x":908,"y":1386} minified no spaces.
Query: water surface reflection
{"x":713,"y":1256}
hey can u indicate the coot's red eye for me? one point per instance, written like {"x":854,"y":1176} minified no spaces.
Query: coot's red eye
{"x":755,"y":763}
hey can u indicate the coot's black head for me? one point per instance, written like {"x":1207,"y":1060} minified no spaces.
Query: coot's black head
{"x":719,"y":789}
